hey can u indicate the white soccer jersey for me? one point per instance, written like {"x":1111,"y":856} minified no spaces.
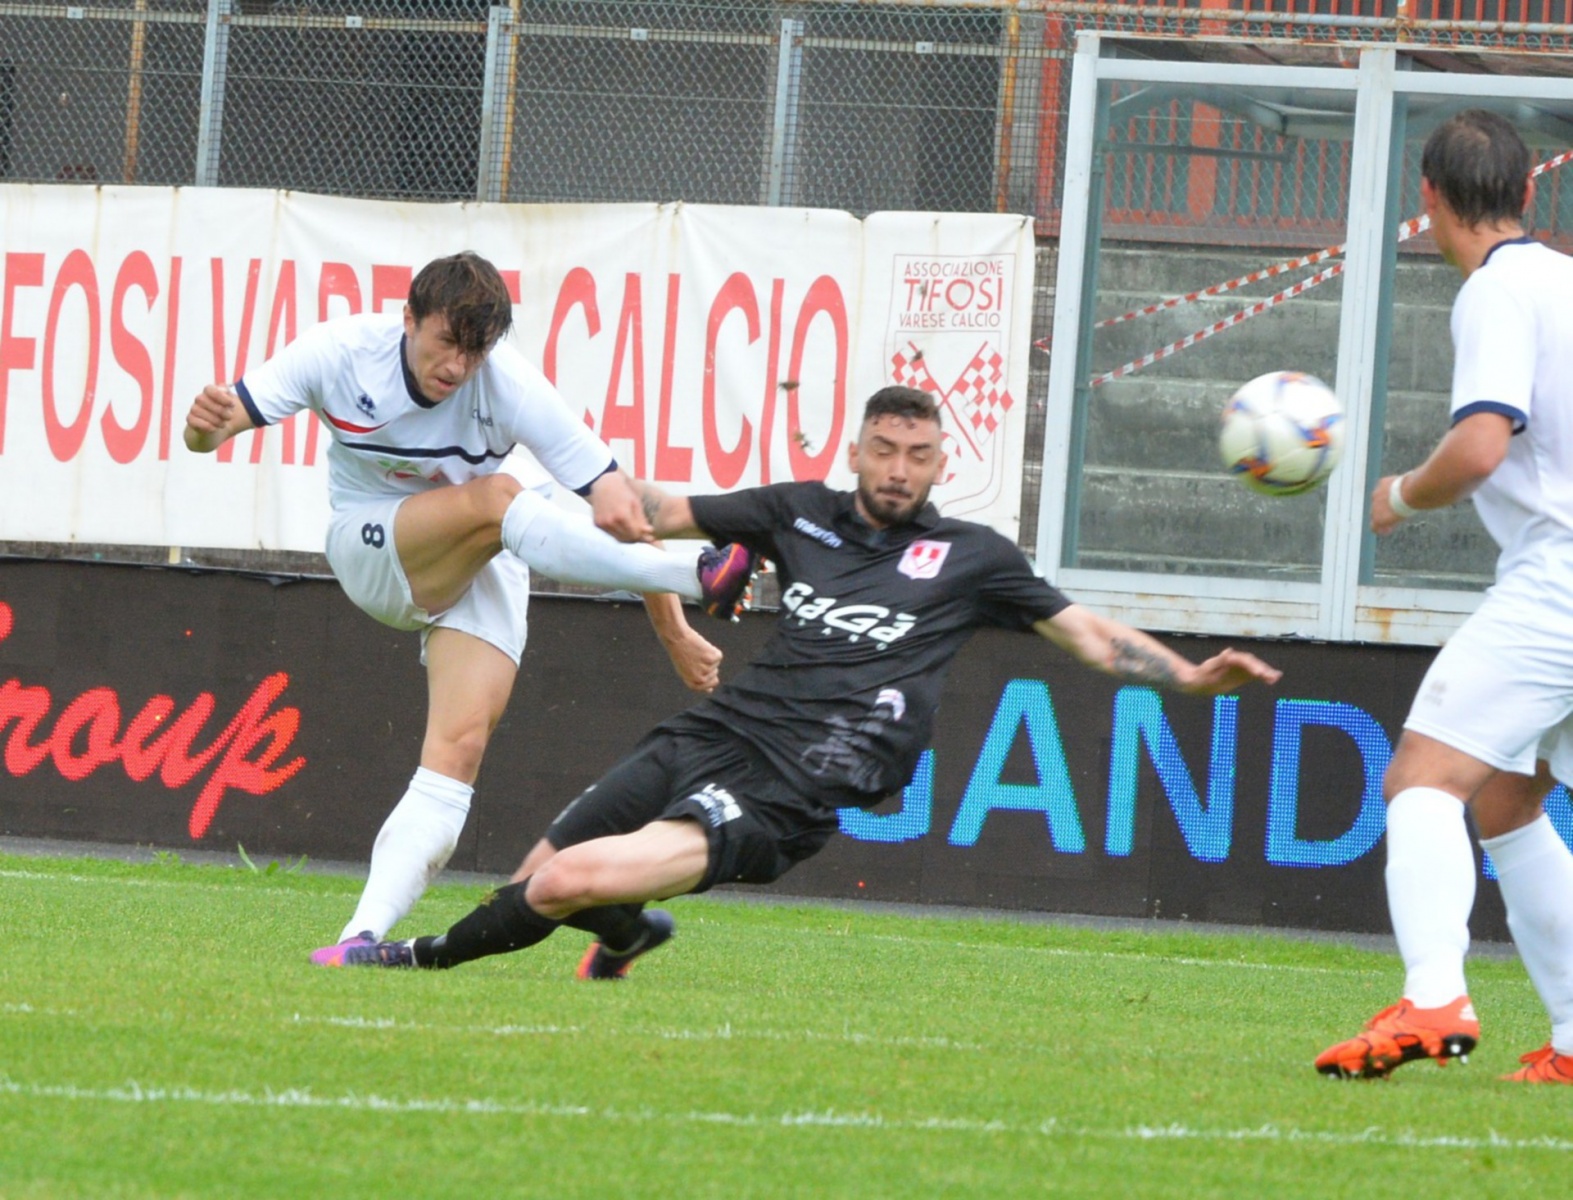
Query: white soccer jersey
{"x":388,"y":439}
{"x":1513,"y":354}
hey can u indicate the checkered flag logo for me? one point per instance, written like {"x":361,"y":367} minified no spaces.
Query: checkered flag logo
{"x":981,"y":390}
{"x":907,"y":369}
{"x":977,"y":401}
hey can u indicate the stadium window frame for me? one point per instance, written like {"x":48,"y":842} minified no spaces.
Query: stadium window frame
{"x":1338,"y":607}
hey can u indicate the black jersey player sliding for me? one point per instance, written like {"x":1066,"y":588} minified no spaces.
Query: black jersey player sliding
{"x":879,"y":593}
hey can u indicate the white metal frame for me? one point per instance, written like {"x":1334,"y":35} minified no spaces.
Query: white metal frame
{"x":1339,"y":607}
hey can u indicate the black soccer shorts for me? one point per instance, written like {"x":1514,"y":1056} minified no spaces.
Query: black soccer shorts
{"x":756,"y":824}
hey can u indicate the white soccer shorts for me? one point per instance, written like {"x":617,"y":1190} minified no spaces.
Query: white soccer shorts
{"x":361,"y":552}
{"x":1501,"y":690}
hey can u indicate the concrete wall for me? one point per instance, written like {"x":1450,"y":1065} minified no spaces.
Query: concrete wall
{"x":1154,"y":496}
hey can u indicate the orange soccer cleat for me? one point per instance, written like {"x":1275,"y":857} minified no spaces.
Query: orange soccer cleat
{"x":1543,"y":1066}
{"x":1404,"y":1033}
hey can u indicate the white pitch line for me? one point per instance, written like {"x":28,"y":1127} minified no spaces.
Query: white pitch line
{"x":117,"y":881}
{"x":134,"y":1092}
{"x":1069,"y":952}
{"x":25,"y":1009}
{"x":722,"y":1033}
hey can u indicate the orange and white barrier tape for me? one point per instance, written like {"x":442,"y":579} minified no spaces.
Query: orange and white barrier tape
{"x":1217,"y":327}
{"x":1413,"y":227}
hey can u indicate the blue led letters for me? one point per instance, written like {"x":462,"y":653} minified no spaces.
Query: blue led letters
{"x":1284,"y":847}
{"x":1139,"y":719}
{"x":1025,"y":702}
{"x":909,"y":823}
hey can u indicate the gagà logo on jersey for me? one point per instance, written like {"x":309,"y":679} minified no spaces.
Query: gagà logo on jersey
{"x":873,"y":621}
{"x":366,"y":404}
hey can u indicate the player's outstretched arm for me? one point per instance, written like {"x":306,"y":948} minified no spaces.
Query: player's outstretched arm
{"x":1129,"y":654}
{"x":216,"y":416}
{"x":696,"y":661}
{"x":672,"y":516}
{"x":615,"y":505}
{"x":1464,"y":459}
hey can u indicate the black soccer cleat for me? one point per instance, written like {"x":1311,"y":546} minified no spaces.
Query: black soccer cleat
{"x":600,"y":963}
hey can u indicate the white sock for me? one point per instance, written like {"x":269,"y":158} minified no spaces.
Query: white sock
{"x":568,"y":547}
{"x":1536,"y":873}
{"x":1430,"y":891}
{"x":415,"y":843}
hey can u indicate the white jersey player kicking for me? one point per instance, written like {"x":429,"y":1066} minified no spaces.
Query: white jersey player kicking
{"x":422,"y":411}
{"x":1490,"y":727}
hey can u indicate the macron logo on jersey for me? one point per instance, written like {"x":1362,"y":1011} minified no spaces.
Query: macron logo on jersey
{"x":805,"y":526}
{"x":923,"y":559}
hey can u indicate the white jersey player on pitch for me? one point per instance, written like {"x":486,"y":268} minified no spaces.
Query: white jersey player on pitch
{"x":423,"y":409}
{"x":1490,"y":727}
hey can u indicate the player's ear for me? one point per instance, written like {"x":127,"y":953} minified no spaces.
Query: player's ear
{"x":410,"y":323}
{"x":852,"y":457}
{"x":939,"y":469}
{"x":1529,"y":194}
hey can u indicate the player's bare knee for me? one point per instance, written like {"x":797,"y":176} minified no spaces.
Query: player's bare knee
{"x":493,"y":494}
{"x":456,"y":755}
{"x":561,"y":886}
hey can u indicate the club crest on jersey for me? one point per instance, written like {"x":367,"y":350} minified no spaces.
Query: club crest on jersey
{"x":366,"y":404}
{"x":923,"y":559}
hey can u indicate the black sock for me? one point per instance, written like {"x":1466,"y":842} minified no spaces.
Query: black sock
{"x":502,"y":922}
{"x":615,"y":926}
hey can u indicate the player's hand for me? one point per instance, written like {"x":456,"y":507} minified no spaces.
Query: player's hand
{"x":696,"y":661}
{"x":1228,"y":670}
{"x":617,"y":509}
{"x":1383,"y":518}
{"x":211,"y":416}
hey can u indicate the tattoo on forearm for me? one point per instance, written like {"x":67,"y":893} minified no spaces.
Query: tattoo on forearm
{"x":650,"y":501}
{"x":1139,"y":664}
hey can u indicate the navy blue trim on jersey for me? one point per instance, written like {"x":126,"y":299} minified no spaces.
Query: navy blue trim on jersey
{"x":585,"y":490}
{"x":410,"y":386}
{"x":474,"y":460}
{"x":1518,"y":241}
{"x":1520,"y":421}
{"x":250,"y":405}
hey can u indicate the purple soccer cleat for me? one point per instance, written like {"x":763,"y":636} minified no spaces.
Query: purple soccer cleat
{"x":724,"y":575}
{"x":333,"y":956}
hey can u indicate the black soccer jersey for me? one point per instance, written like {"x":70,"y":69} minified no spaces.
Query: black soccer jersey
{"x":842,"y":699}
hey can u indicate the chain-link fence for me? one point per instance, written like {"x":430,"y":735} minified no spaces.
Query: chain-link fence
{"x":939,"y":105}
{"x":859,"y":106}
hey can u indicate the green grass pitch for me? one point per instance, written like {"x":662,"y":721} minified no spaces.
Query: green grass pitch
{"x":162,"y":1034}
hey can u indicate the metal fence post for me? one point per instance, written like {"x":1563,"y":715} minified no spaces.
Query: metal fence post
{"x":496,"y":106}
{"x":781,"y":183}
{"x":215,"y":71}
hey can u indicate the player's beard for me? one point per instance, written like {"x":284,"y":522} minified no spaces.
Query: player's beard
{"x":892,"y":509}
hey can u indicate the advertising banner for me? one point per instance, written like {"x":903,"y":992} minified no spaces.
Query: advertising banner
{"x":208,"y":710}
{"x":711,"y":347}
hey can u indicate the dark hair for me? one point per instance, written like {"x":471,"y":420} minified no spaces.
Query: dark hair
{"x":1480,"y":165}
{"x":909,"y":402}
{"x":468,"y":291}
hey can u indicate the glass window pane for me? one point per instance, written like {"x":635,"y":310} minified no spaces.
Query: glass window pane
{"x":1449,"y":548}
{"x":1201,"y":186}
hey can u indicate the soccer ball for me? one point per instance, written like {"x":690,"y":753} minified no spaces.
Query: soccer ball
{"x":1283,"y":433}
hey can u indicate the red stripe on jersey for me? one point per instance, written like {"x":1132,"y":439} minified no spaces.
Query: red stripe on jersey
{"x":349,"y":427}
